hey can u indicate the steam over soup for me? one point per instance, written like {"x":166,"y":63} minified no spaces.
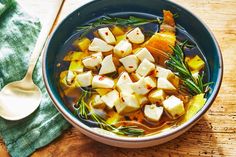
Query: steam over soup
{"x":132,"y":76}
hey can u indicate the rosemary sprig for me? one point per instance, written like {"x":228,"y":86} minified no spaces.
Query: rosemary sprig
{"x":177,"y":64}
{"x":86,"y":113}
{"x":111,"y":20}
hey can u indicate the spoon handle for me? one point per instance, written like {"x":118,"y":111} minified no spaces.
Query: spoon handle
{"x":42,"y":38}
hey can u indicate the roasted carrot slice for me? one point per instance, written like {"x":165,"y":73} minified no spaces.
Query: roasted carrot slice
{"x":161,"y":42}
{"x":168,"y":18}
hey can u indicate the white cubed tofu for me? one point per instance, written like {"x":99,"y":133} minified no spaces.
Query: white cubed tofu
{"x":128,"y":103}
{"x":174,"y":106}
{"x":107,"y":35}
{"x":85,"y":79}
{"x":102,"y":82}
{"x":136,"y":36}
{"x":70,"y":77}
{"x":145,"y":68}
{"x":92,"y":61}
{"x":130,"y":63}
{"x":163,"y":83}
{"x":164,"y":73}
{"x":97,"y":101}
{"x":144,"y":54}
{"x":152,"y":112}
{"x":156,"y":96}
{"x":111,"y":99}
{"x":150,"y":82}
{"x":123,"y":48}
{"x":142,"y":99}
{"x":144,"y":85}
{"x":98,"y":45}
{"x":124,"y":83}
{"x":107,"y":66}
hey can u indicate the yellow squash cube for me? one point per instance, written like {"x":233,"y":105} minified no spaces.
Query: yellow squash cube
{"x":76,"y":66}
{"x":117,"y":31}
{"x":82,"y":44}
{"x":73,"y":56}
{"x":196,"y":63}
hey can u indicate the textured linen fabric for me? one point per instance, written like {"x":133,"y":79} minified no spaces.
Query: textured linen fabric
{"x":18,"y":34}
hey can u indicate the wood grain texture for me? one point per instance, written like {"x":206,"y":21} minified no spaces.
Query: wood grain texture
{"x":213,"y":135}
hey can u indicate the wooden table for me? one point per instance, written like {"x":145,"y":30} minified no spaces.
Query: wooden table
{"x":213,"y":135}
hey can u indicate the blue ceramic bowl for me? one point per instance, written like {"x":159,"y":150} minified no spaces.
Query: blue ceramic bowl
{"x":194,"y":26}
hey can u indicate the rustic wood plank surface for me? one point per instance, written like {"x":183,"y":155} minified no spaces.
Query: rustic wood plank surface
{"x":213,"y":135}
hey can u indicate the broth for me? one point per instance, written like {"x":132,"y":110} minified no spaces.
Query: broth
{"x":137,"y":117}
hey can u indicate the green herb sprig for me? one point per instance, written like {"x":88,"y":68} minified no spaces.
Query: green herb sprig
{"x":85,"y":112}
{"x":111,"y":20}
{"x":177,"y":64}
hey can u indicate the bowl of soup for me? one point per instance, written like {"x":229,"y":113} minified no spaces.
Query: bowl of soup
{"x":132,"y":74}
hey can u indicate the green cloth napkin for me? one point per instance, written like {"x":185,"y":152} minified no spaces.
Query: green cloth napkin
{"x":18,"y":34}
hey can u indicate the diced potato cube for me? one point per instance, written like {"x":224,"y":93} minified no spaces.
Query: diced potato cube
{"x":124,"y":83}
{"x":83,"y":44}
{"x":99,"y":45}
{"x":164,"y":73}
{"x":163,"y":83}
{"x":123,"y":48}
{"x":107,"y":35}
{"x":102,"y":91}
{"x":70,"y":77}
{"x":128,"y":103}
{"x":102,"y":82}
{"x":73,"y":56}
{"x":85,"y":79}
{"x":92,"y":61}
{"x":111,"y":99}
{"x":97,"y":102}
{"x":196,"y":63}
{"x":76,"y":66}
{"x":142,"y":99}
{"x":130,"y":63}
{"x":145,"y":68}
{"x":156,"y":96}
{"x":107,"y":66}
{"x":152,"y":112}
{"x":174,"y":106}
{"x":144,"y":54}
{"x":144,"y":85}
{"x":117,"y":31}
{"x":136,"y":36}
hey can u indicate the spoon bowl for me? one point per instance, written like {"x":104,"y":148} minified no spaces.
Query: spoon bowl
{"x":19,"y":99}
